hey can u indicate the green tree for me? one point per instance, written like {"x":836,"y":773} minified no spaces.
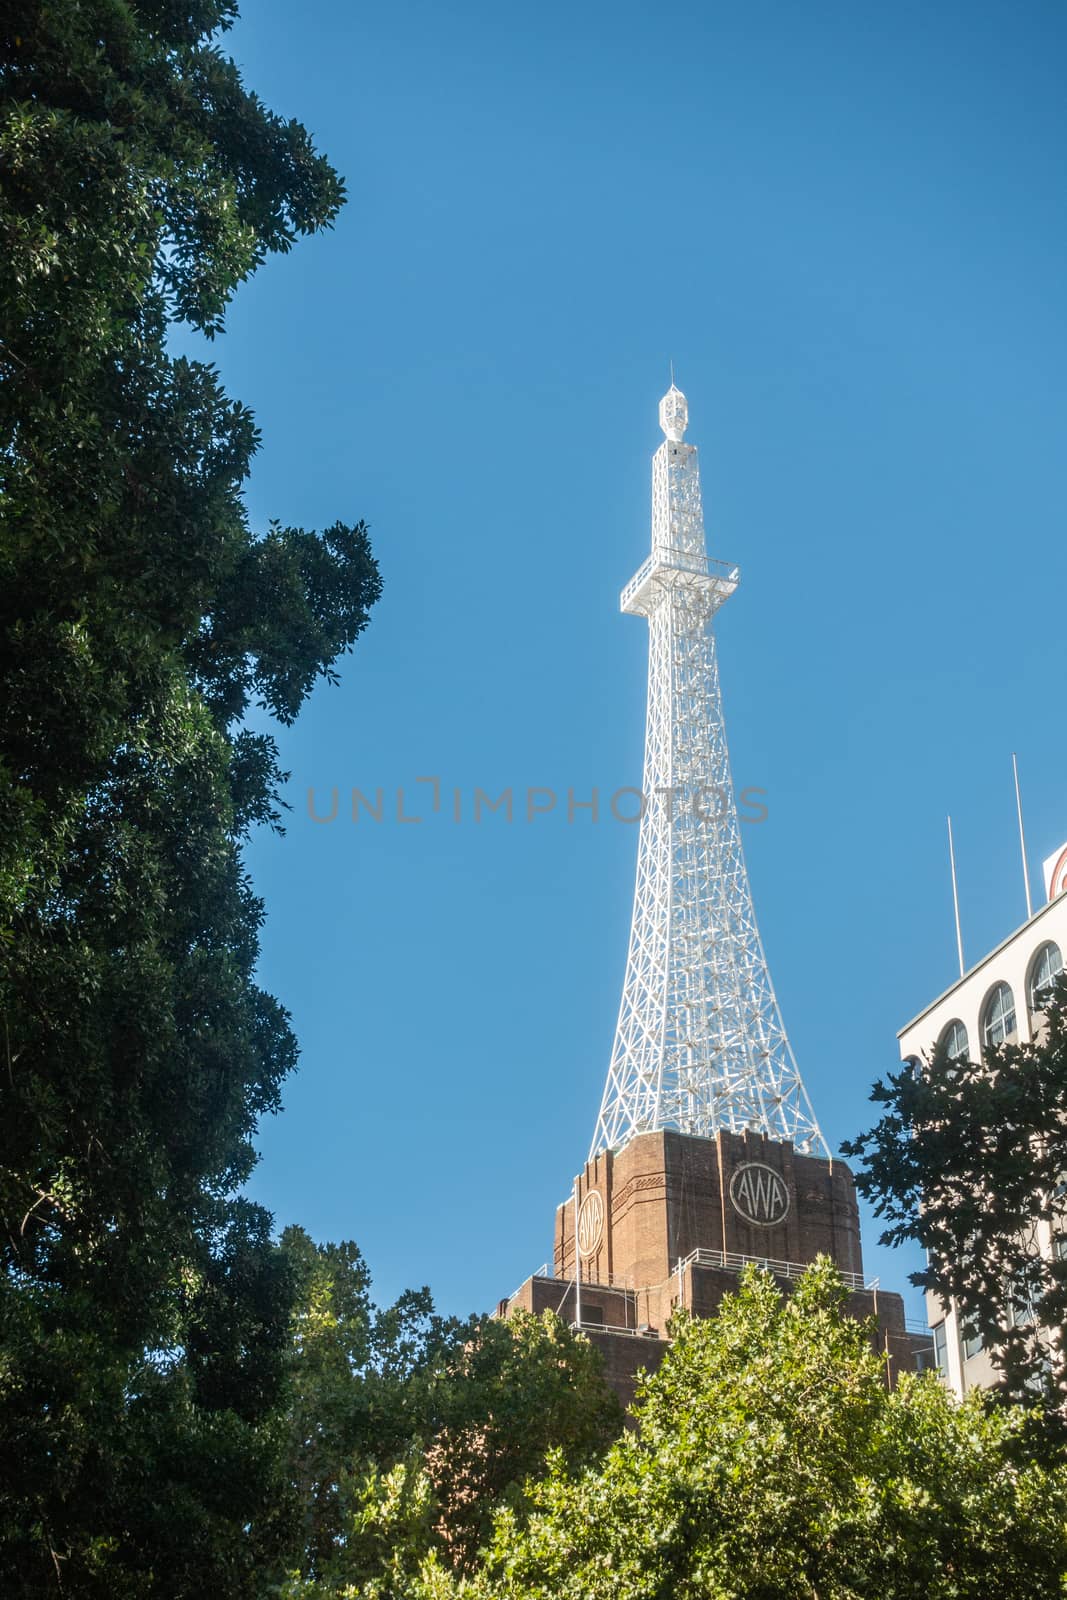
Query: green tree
{"x":358,"y":1387}
{"x":513,"y":1392}
{"x":144,"y":1310}
{"x":772,"y":1462}
{"x":407,"y":1431}
{"x":967,"y":1160}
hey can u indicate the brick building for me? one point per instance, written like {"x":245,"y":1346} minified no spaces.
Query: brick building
{"x":671,"y":1219}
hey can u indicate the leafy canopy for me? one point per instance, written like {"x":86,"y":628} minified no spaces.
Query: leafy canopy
{"x":772,"y":1462}
{"x":144,"y":1309}
{"x":407,"y":1432}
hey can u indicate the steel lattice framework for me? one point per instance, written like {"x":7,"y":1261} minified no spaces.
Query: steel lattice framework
{"x":700,"y":1043}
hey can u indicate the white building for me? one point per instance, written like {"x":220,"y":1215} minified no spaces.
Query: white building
{"x":998,"y":999}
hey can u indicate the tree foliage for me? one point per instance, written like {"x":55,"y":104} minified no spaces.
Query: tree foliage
{"x":513,"y":1392}
{"x":357,"y":1397}
{"x":407,"y":1431}
{"x":143,"y":1307}
{"x":772,"y":1461}
{"x":969,"y":1160}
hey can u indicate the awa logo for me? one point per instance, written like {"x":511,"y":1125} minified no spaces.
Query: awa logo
{"x":758,"y":1194}
{"x":590,"y":1223}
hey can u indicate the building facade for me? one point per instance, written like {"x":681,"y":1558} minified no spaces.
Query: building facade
{"x":670,"y":1219}
{"x":998,"y":1000}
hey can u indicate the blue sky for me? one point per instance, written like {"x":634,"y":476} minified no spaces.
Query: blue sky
{"x":846,"y":226}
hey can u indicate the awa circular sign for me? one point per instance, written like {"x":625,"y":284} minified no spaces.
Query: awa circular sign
{"x":759,"y":1195}
{"x":590,"y":1223}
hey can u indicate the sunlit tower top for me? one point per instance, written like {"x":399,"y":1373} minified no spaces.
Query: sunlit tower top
{"x":700,"y":1043}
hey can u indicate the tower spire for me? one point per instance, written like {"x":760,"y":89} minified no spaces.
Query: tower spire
{"x":699,"y":1043}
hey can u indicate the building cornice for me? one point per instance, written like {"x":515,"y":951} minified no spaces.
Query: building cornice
{"x":1031,"y":922}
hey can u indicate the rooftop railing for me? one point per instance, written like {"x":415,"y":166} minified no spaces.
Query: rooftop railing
{"x":729,"y":1261}
{"x":724,"y":1260}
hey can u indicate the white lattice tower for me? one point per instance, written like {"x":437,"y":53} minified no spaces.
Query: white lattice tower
{"x":700,"y":1043}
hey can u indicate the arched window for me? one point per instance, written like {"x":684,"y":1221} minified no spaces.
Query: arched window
{"x":998,"y":1016}
{"x":1044,"y":967}
{"x":954,"y":1040}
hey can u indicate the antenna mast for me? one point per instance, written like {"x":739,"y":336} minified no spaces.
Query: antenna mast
{"x":955,"y":893}
{"x":1022,"y":837}
{"x":699,"y":1043}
